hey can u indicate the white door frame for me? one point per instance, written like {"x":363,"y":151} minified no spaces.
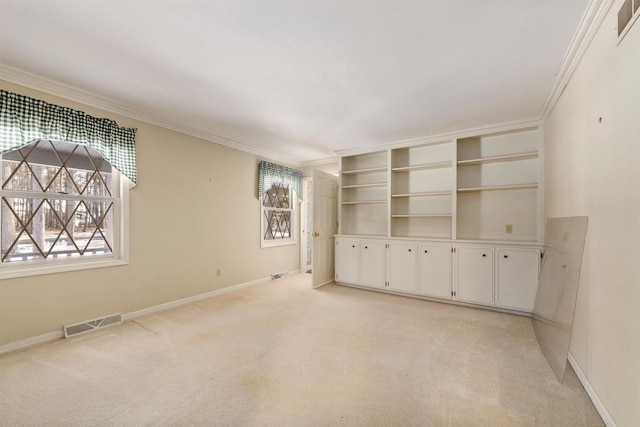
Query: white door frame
{"x":303,"y":226}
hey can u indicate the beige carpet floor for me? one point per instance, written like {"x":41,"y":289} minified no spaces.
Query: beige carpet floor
{"x":282,"y":354}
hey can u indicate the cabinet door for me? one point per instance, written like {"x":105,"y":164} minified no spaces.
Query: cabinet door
{"x":347,"y":260}
{"x":474,"y":273}
{"x":372,"y":263}
{"x":402,"y":267}
{"x":435,"y":271}
{"x":517,"y":278}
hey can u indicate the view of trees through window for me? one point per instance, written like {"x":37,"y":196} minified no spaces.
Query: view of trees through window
{"x":277,"y":211}
{"x":56,"y":202}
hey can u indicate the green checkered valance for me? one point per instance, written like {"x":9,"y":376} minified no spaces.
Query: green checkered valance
{"x":268,"y":173}
{"x":24,"y":120}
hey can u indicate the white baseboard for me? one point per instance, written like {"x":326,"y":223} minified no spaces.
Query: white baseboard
{"x":17,"y":345}
{"x":50,"y":336}
{"x":602,"y":410}
{"x":177,"y":303}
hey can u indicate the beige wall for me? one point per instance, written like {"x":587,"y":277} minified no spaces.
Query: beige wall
{"x":194,"y":209}
{"x":593,"y":168}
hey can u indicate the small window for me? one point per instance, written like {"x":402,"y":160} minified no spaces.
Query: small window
{"x":61,"y":209}
{"x":278,"y":216}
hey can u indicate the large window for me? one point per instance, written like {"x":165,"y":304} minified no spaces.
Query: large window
{"x":63,"y":207}
{"x":278,"y":215}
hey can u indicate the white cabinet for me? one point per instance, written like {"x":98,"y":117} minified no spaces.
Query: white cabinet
{"x":347,"y":260}
{"x":372,"y":263}
{"x":517,"y":278}
{"x":402,"y":266}
{"x":489,"y":275}
{"x":435,"y":270}
{"x":474,"y":274}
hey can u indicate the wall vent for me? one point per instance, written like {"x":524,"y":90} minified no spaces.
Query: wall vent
{"x":627,"y":15}
{"x":90,"y":325}
{"x":275,"y":276}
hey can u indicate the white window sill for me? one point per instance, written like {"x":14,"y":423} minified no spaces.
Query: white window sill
{"x":276,"y":243}
{"x":13,"y":271}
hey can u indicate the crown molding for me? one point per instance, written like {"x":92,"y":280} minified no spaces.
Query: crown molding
{"x":325,"y":161}
{"x":589,"y":24}
{"x":444,"y":137}
{"x":34,"y":81}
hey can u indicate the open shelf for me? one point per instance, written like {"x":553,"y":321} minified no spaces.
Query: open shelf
{"x":377,"y":184}
{"x":421,"y":216}
{"x":495,"y":159}
{"x":364,"y":202}
{"x":474,"y":187}
{"x":423,"y":194}
{"x":499,"y":187}
{"x":367,"y":170}
{"x":423,"y":167}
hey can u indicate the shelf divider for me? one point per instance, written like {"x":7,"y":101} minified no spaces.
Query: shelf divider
{"x":422,"y":167}
{"x":497,"y":159}
{"x":377,"y":184}
{"x":367,"y":170}
{"x":423,"y":194}
{"x":498,"y":187}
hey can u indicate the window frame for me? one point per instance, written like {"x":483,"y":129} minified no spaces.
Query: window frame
{"x":293,"y":236}
{"x":120,"y":185}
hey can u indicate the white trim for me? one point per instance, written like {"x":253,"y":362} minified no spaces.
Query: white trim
{"x":71,"y":93}
{"x":183,"y":301}
{"x":627,"y":28}
{"x":325,"y":161}
{"x":306,"y":181}
{"x":445,"y":137}
{"x":60,"y":266}
{"x":50,"y":336}
{"x":119,"y":256}
{"x":594,"y":15}
{"x":29,"y":342}
{"x":602,"y":410}
{"x":591,"y":20}
{"x":293,"y":231}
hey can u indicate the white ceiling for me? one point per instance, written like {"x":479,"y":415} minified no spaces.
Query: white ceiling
{"x":301,"y":79}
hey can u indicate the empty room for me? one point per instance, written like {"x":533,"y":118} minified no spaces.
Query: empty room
{"x":319,"y":213}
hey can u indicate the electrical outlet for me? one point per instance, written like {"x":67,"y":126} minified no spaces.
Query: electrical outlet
{"x":218,"y":272}
{"x":508,"y":228}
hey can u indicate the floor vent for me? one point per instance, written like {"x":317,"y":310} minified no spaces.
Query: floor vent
{"x":90,"y":325}
{"x":279,"y":275}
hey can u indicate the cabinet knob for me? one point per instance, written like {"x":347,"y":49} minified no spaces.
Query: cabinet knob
{"x":353,"y":246}
{"x":366,"y":247}
{"x":409,"y":250}
{"x":484,"y":254}
{"x":426,"y":252}
{"x":506,"y":256}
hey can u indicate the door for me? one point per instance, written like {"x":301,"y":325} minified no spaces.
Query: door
{"x":347,"y":261}
{"x":325,"y":226}
{"x":372,"y":263}
{"x":517,"y":278}
{"x":474,"y":272}
{"x":435,"y":271}
{"x":402,"y":267}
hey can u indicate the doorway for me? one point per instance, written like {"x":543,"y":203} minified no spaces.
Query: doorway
{"x":306,"y":226}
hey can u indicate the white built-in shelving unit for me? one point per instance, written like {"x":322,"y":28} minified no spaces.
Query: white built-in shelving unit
{"x":363,"y":195}
{"x":457,"y":220}
{"x":484,"y":187}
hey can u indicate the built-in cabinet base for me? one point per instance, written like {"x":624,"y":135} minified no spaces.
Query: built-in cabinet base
{"x":498,"y":275}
